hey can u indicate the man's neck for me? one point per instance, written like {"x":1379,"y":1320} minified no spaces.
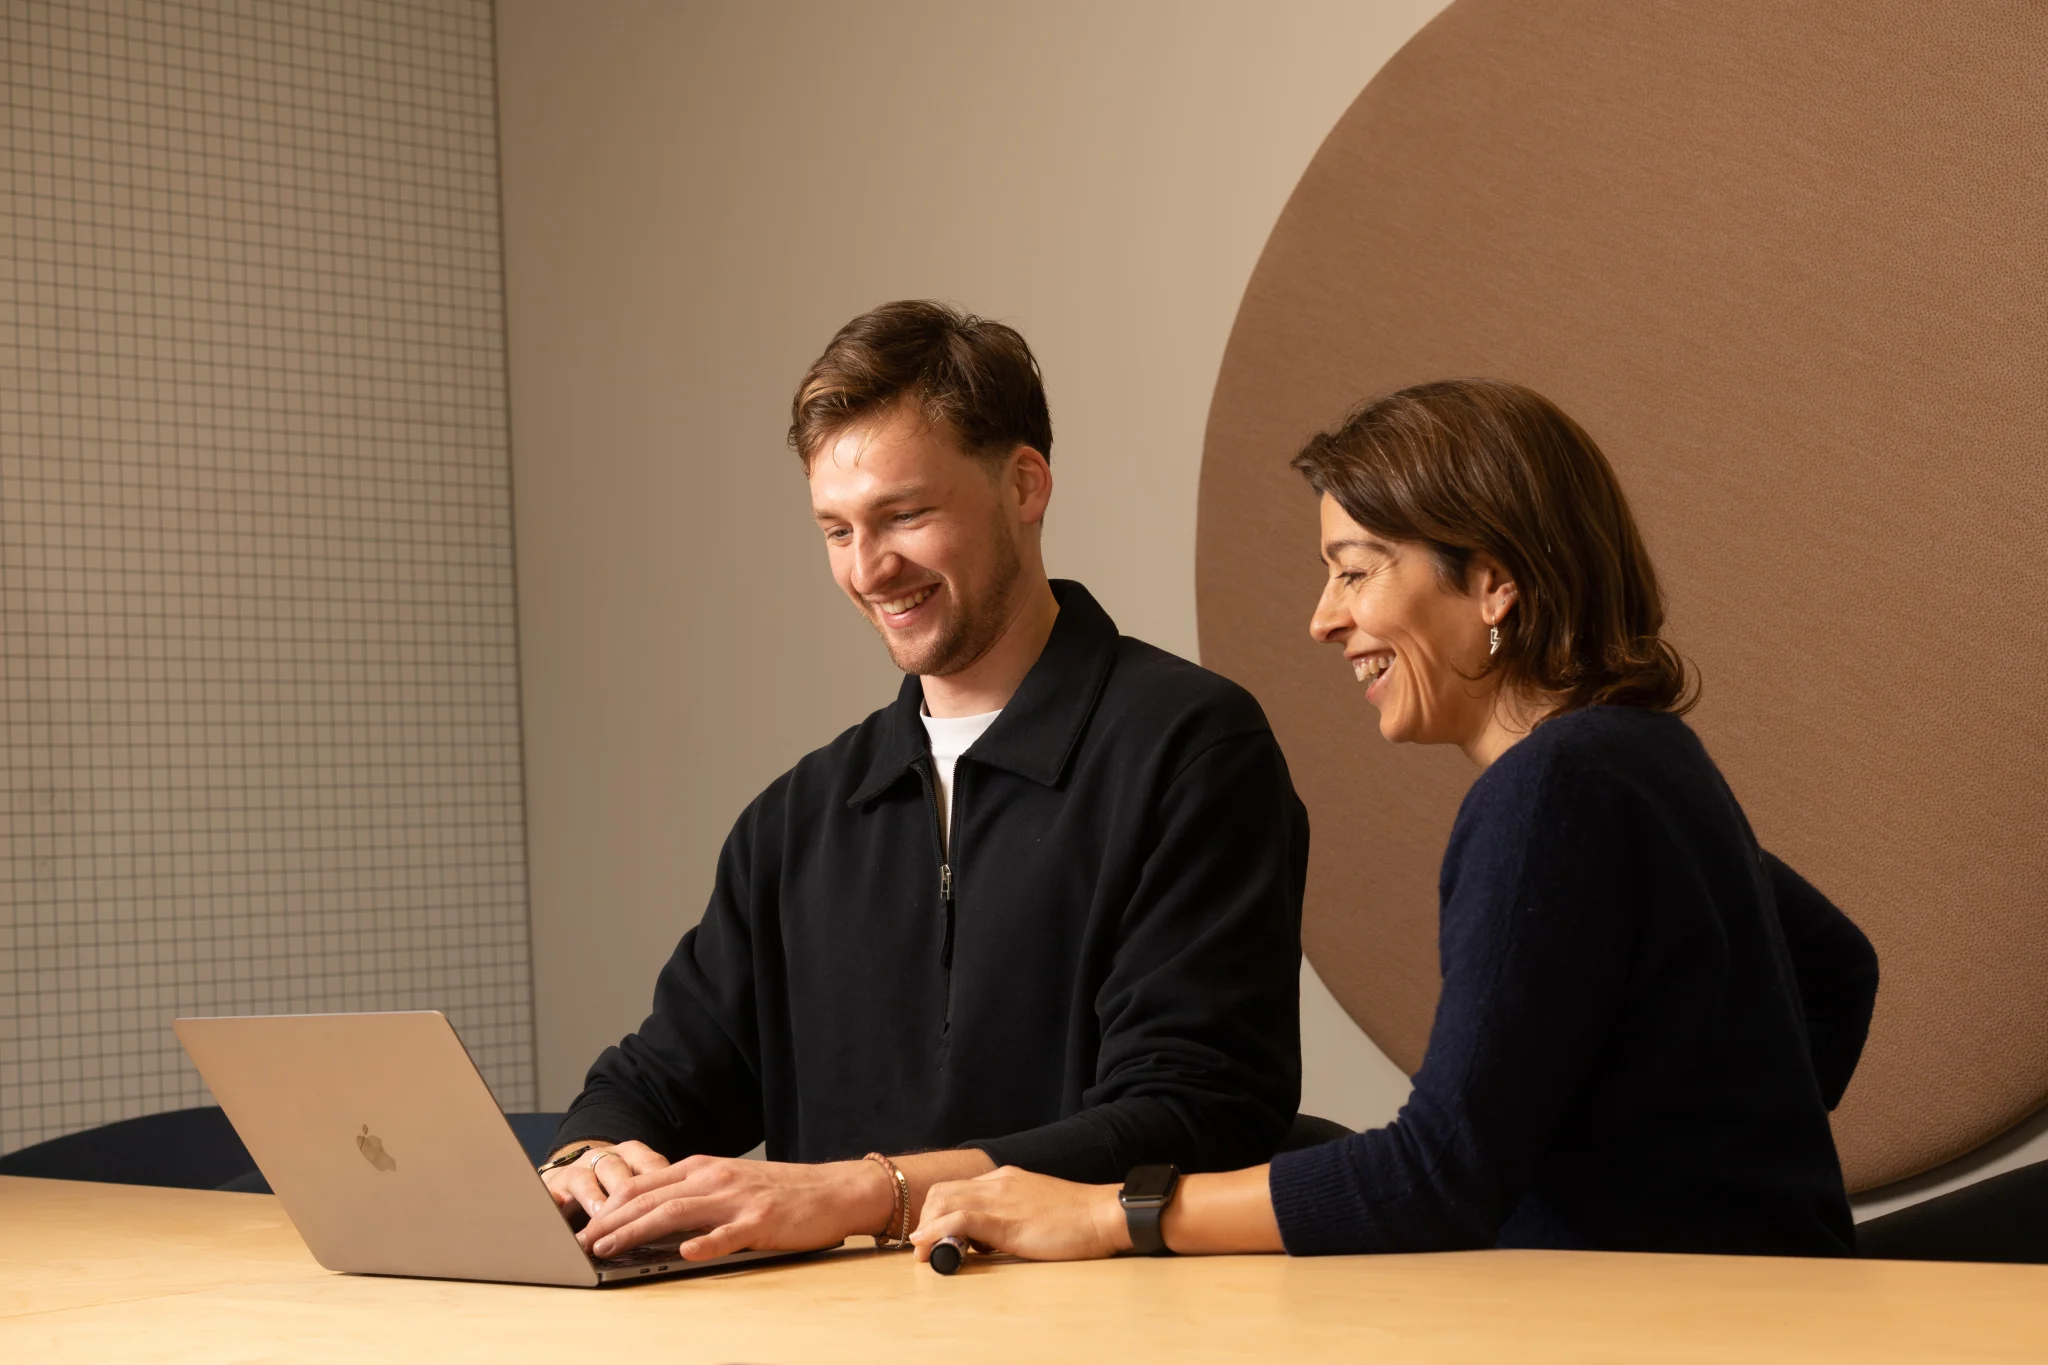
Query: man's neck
{"x":988,"y":683}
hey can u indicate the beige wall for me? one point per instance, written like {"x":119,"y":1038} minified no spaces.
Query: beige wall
{"x":695,"y":197}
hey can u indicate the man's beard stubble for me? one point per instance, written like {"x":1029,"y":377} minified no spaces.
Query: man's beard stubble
{"x":975,"y":626}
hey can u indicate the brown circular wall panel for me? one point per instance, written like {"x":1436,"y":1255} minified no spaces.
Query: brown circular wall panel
{"x":1788,"y":264}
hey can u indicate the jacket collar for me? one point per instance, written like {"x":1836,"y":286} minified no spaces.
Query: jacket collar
{"x":1041,"y":725}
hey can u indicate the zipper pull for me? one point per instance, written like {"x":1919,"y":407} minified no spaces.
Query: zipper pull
{"x":946,"y":947}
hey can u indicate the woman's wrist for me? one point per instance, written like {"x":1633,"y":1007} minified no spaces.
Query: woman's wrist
{"x":1112,"y":1229}
{"x":1173,"y":1218}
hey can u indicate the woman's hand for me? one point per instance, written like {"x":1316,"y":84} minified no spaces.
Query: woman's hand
{"x":1034,"y":1216}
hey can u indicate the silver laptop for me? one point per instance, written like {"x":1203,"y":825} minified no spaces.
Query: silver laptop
{"x":391,"y":1157}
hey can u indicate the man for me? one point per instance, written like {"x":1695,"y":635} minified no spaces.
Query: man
{"x":1042,"y":911}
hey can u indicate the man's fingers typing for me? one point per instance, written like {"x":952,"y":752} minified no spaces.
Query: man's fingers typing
{"x":601,"y":1174}
{"x":717,"y":1242}
{"x":574,"y":1186}
{"x":631,"y":1226}
{"x":665,"y":1205}
{"x":657,"y":1183}
{"x":611,"y":1170}
{"x":641,"y":1157}
{"x":758,"y":1204}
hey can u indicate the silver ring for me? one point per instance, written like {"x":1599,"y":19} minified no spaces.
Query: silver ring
{"x":595,"y":1157}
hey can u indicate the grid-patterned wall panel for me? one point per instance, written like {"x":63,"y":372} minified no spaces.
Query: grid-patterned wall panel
{"x":259,"y":730}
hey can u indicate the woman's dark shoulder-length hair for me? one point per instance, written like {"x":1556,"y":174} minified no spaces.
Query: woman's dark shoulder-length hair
{"x":1469,"y":465}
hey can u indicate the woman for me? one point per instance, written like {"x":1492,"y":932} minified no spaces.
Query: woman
{"x":1645,"y":1018}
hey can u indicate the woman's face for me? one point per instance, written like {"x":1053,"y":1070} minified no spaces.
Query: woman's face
{"x":1414,"y":644}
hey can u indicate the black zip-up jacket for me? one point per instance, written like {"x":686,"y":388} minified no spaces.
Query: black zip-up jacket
{"x":1114,"y":979}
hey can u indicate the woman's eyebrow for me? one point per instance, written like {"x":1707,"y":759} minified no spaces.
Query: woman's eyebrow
{"x":1332,"y":548}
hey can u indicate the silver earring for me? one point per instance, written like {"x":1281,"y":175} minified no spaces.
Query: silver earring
{"x":1492,"y":641}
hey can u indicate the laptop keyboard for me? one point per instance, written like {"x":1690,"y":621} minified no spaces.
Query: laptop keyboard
{"x":647,"y":1255}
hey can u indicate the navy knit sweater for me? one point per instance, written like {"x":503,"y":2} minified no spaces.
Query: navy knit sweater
{"x":1644,"y":1022}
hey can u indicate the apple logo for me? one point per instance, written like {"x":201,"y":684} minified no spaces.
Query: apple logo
{"x":372,"y":1148}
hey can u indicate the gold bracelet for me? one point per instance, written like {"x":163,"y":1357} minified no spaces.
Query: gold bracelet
{"x":564,"y":1159}
{"x":899,"y":1217}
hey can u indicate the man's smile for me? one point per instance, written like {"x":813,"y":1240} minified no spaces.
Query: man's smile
{"x":909,"y":602}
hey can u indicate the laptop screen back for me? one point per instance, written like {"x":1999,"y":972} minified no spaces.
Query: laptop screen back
{"x":385,"y":1146}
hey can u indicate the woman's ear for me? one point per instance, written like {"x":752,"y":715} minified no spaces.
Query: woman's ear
{"x":1493,"y":585}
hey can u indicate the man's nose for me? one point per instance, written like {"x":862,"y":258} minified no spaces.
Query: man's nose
{"x":874,"y":564}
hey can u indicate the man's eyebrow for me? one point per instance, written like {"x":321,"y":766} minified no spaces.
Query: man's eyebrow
{"x":895,"y":497}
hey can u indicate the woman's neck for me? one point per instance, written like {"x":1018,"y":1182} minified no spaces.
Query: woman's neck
{"x":1508,"y":723}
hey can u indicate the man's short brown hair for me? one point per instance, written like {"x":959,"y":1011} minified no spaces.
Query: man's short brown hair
{"x":975,"y":377}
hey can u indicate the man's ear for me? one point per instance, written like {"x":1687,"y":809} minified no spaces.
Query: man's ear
{"x":1030,"y":479}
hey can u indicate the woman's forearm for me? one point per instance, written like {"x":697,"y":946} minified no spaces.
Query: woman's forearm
{"x":1223,"y":1213}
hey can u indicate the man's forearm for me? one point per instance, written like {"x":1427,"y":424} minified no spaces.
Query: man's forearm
{"x":783,"y":1204}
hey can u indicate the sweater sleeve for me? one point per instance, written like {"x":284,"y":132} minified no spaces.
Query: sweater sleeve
{"x":1200,"y":1012}
{"x":1836,"y":970}
{"x":1534,"y":941}
{"x":688,"y":1081}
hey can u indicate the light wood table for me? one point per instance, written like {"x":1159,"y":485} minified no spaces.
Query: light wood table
{"x":121,"y":1273}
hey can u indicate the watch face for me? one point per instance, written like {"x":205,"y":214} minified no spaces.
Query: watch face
{"x":1150,"y":1183}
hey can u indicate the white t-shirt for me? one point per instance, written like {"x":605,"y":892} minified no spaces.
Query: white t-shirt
{"x":952,"y":737}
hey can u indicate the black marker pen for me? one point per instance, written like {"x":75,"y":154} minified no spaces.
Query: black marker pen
{"x":947,"y":1253}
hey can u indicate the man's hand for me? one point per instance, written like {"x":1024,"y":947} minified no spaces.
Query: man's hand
{"x":732,"y":1204}
{"x":1034,"y":1216}
{"x":591,"y":1179}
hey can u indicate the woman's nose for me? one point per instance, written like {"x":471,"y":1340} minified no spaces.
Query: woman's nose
{"x":1327,"y":623}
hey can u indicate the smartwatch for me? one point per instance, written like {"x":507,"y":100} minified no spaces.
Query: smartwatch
{"x":1146,"y":1193}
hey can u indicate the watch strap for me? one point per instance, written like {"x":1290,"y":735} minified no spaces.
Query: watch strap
{"x":1145,"y":1206}
{"x":1143,"y":1221}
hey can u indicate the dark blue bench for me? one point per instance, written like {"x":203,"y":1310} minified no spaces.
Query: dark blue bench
{"x":188,"y":1149}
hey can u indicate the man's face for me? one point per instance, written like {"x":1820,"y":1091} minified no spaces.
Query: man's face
{"x":923,"y":538}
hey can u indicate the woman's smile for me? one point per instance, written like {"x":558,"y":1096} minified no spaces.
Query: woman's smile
{"x":1372,"y":670}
